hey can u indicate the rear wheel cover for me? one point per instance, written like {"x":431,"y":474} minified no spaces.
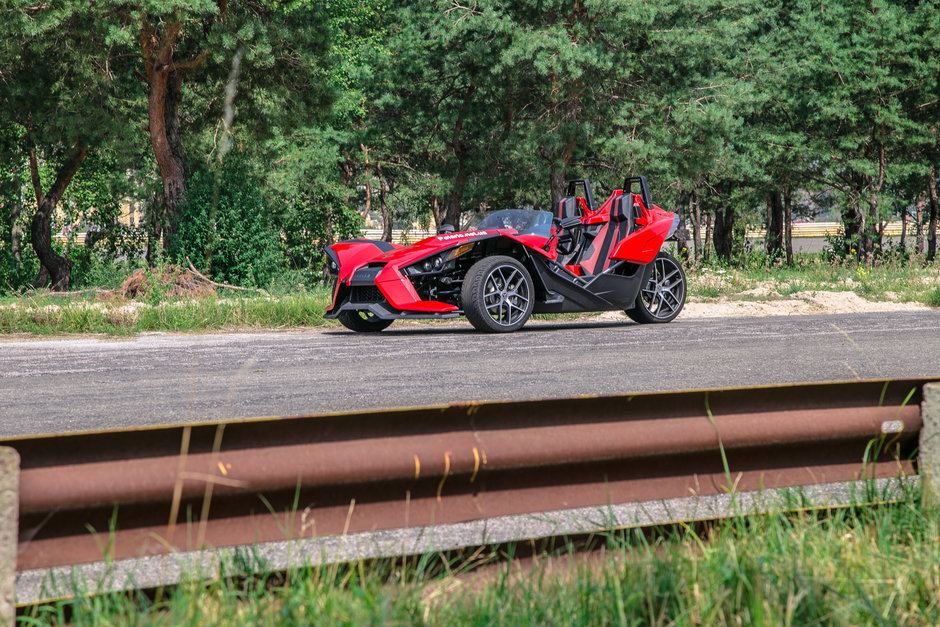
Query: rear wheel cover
{"x":498,"y":295}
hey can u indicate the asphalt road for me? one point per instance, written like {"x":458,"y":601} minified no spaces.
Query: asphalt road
{"x":51,"y":386}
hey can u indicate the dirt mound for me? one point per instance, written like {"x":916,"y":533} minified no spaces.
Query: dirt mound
{"x":168,"y":281}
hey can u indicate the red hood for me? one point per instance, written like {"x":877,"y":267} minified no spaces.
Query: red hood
{"x":434,"y":244}
{"x":354,"y":254}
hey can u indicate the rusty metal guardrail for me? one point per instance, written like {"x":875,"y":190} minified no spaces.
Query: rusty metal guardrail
{"x":155,"y":491}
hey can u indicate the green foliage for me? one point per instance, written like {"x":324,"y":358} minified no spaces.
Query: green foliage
{"x":227,"y":230}
{"x":933,"y":297}
{"x":158,"y":310}
{"x":14,"y":273}
{"x":840,"y":248}
{"x":855,"y":565}
{"x":11,"y":272}
{"x":455,"y":107}
{"x":304,"y":184}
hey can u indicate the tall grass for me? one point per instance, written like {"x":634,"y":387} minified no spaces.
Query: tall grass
{"x":891,"y":281}
{"x":50,"y":315}
{"x":851,"y":566}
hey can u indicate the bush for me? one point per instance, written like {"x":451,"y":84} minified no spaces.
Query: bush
{"x":933,"y":297}
{"x":226,"y":228}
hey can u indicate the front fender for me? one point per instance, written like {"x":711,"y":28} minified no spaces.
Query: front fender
{"x":350,"y":254}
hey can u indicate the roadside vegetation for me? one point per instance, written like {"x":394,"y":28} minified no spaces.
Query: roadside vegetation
{"x":894,"y":281}
{"x":165,"y":298}
{"x":853,"y":566}
{"x":168,"y":299}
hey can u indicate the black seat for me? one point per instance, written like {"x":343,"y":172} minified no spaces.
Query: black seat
{"x":569,"y":240}
{"x":568,"y":207}
{"x":596,"y":255}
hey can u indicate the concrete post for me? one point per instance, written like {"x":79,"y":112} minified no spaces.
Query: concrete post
{"x":9,"y":531}
{"x":930,"y":443}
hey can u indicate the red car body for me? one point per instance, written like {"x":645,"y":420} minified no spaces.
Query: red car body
{"x":579,"y":258}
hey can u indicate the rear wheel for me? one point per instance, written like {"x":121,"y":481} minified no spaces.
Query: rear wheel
{"x":362,"y":321}
{"x":497,"y":295}
{"x":662,"y":297}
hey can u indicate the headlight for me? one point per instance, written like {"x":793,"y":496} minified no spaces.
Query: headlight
{"x":453,"y":253}
{"x":437,"y":262}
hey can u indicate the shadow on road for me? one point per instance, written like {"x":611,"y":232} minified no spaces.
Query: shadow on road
{"x":531,"y":327}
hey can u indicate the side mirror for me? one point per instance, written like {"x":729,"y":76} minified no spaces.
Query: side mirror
{"x":445,"y":228}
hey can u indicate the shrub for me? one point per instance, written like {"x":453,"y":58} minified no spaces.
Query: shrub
{"x":933,"y":297}
{"x":226,"y":228}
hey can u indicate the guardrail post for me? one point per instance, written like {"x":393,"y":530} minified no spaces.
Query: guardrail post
{"x":930,"y":443}
{"x":9,"y":531}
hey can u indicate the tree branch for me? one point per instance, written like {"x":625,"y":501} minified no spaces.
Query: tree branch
{"x":34,"y":173}
{"x":203,"y":277}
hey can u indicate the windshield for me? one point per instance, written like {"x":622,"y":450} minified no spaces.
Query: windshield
{"x":525,"y":221}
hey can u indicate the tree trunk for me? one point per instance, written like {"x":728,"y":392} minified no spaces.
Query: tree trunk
{"x":348,"y":171}
{"x":708,"y":236}
{"x":43,"y":276}
{"x":383,"y":206}
{"x":34,"y":176}
{"x":558,"y":168}
{"x":16,"y":231}
{"x":367,"y":172}
{"x":367,"y":208}
{"x":723,"y":235}
{"x":774,"y":239}
{"x":853,"y":224}
{"x":854,"y":220}
{"x":457,"y":150}
{"x":683,"y":198}
{"x":452,"y":215}
{"x":165,"y":79}
{"x":556,"y":182}
{"x":919,"y":224}
{"x":696,"y":224}
{"x":436,"y":211}
{"x":875,"y":229}
{"x":904,"y":228}
{"x":788,"y":223}
{"x":53,"y":265}
{"x":932,"y":225}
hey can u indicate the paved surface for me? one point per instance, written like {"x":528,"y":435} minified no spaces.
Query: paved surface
{"x":50,"y":386}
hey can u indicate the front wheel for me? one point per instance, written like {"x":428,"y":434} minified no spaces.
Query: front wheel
{"x":497,"y":295}
{"x":662,"y":297}
{"x":362,"y":321}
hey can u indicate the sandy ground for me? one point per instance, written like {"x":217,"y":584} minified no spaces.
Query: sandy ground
{"x":800,"y":303}
{"x":796,"y":304}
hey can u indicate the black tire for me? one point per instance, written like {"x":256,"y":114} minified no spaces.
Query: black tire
{"x":663,"y":294}
{"x":362,"y":321}
{"x":497,"y":295}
